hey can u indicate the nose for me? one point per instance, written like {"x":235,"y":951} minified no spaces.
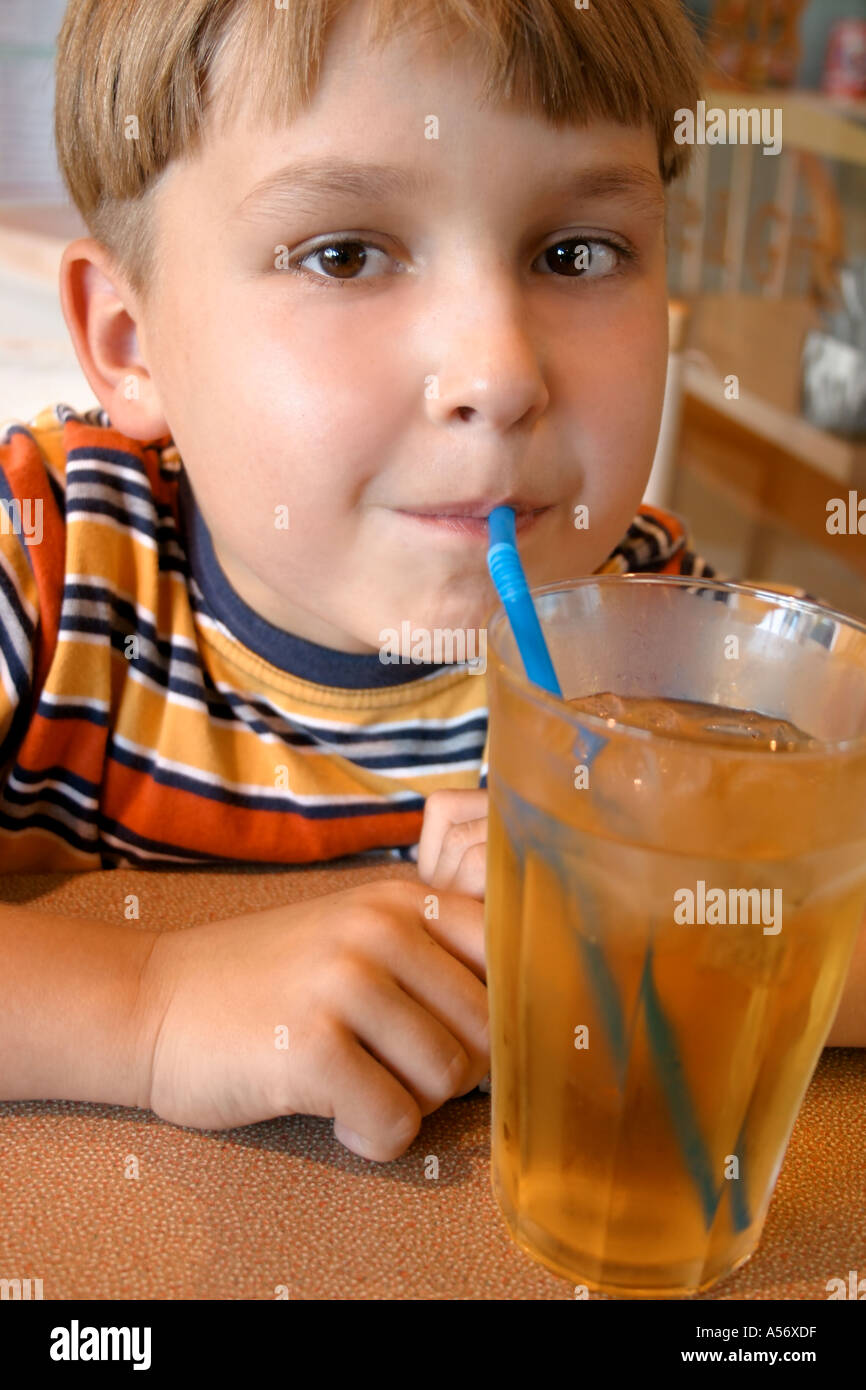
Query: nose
{"x":484,"y":368}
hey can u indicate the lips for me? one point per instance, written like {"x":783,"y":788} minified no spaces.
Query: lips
{"x":477,"y":527}
{"x":475,"y":509}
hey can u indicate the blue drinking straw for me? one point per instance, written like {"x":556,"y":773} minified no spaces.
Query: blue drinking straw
{"x":506,"y":571}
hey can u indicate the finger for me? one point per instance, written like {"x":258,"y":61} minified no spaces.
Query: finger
{"x":472,"y":872}
{"x":443,"y":809}
{"x":434,"y":1044}
{"x":457,"y":842}
{"x":456,"y":922}
{"x":374,"y":1115}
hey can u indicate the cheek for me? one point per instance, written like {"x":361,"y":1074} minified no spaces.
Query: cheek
{"x":617,"y":399}
{"x":629,"y":359}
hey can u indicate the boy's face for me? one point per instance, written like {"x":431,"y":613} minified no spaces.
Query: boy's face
{"x":444,"y":359}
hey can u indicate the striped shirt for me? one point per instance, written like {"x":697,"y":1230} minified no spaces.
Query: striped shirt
{"x":150,"y":717}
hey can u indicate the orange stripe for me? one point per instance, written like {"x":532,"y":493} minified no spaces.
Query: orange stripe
{"x":176,"y":817}
{"x":75,"y":744}
{"x":668,"y":520}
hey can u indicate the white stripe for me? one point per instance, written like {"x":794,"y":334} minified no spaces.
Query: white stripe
{"x":122,"y":595}
{"x":86,"y":830}
{"x":96,"y":639}
{"x":460,"y":743}
{"x":61,"y":701}
{"x":15,"y":632}
{"x":146,"y":853}
{"x":82,"y":493}
{"x":385,"y":726}
{"x":210,"y":779}
{"x":173,"y":698}
{"x":174,"y":639}
{"x":117,"y":470}
{"x":83,"y":608}
{"x":652,"y":528}
{"x":29,"y":608}
{"x":9,"y":688}
{"x":98,"y":519}
{"x":282,"y":725}
{"x":433,"y":770}
{"x":89,"y":802}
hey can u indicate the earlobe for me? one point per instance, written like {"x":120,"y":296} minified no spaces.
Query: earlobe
{"x":101,"y":314}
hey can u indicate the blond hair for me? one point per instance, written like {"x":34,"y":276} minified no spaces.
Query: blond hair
{"x":632,"y":61}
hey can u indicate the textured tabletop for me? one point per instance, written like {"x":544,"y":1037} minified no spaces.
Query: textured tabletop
{"x":283,"y":1209}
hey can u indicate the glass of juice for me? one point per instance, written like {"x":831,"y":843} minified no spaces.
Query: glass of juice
{"x":676,"y":876}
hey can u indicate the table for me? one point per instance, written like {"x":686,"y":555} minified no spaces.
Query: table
{"x":281,"y":1208}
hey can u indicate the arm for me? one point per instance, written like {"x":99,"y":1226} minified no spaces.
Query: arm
{"x":71,"y":1022}
{"x":849,"y":1027}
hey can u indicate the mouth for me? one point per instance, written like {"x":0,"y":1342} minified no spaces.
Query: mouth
{"x":471,"y":519}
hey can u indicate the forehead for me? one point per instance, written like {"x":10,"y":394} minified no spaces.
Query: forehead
{"x":417,"y":86}
{"x":404,"y":121}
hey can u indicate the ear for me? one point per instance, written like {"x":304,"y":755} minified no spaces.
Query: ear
{"x":102,"y":315}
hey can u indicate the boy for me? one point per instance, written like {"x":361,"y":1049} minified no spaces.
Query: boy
{"x":326,"y":307}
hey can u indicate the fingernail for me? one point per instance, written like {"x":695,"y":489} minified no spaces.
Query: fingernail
{"x":348,"y":1136}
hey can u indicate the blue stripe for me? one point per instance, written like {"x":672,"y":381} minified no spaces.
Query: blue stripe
{"x":226,"y":703}
{"x":14,"y":735}
{"x":52,"y":796}
{"x":20,"y":675}
{"x":56,"y":772}
{"x":68,"y":709}
{"x":57,"y":491}
{"x":42,"y":822}
{"x":79,"y":481}
{"x":339,"y":743}
{"x":256,"y":801}
{"x":93,"y":506}
{"x":81,"y":476}
{"x":118,"y":456}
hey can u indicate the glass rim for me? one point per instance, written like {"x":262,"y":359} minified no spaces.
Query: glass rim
{"x":522,"y":685}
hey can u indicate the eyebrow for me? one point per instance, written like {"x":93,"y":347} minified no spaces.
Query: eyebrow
{"x":311,"y":183}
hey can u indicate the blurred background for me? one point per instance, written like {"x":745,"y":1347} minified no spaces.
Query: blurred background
{"x":765,"y":415}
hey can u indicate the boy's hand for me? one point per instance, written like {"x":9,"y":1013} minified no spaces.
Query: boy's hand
{"x":381,"y":1010}
{"x":452,"y":850}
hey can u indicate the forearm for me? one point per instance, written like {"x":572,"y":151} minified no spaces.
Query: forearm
{"x":849,"y":1027}
{"x":72,"y":1024}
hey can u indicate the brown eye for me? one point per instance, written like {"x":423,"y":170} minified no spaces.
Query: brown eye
{"x":580,"y":256}
{"x":343,"y":259}
{"x":340,"y":261}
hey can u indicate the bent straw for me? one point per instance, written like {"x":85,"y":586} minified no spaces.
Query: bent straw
{"x":506,"y":571}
